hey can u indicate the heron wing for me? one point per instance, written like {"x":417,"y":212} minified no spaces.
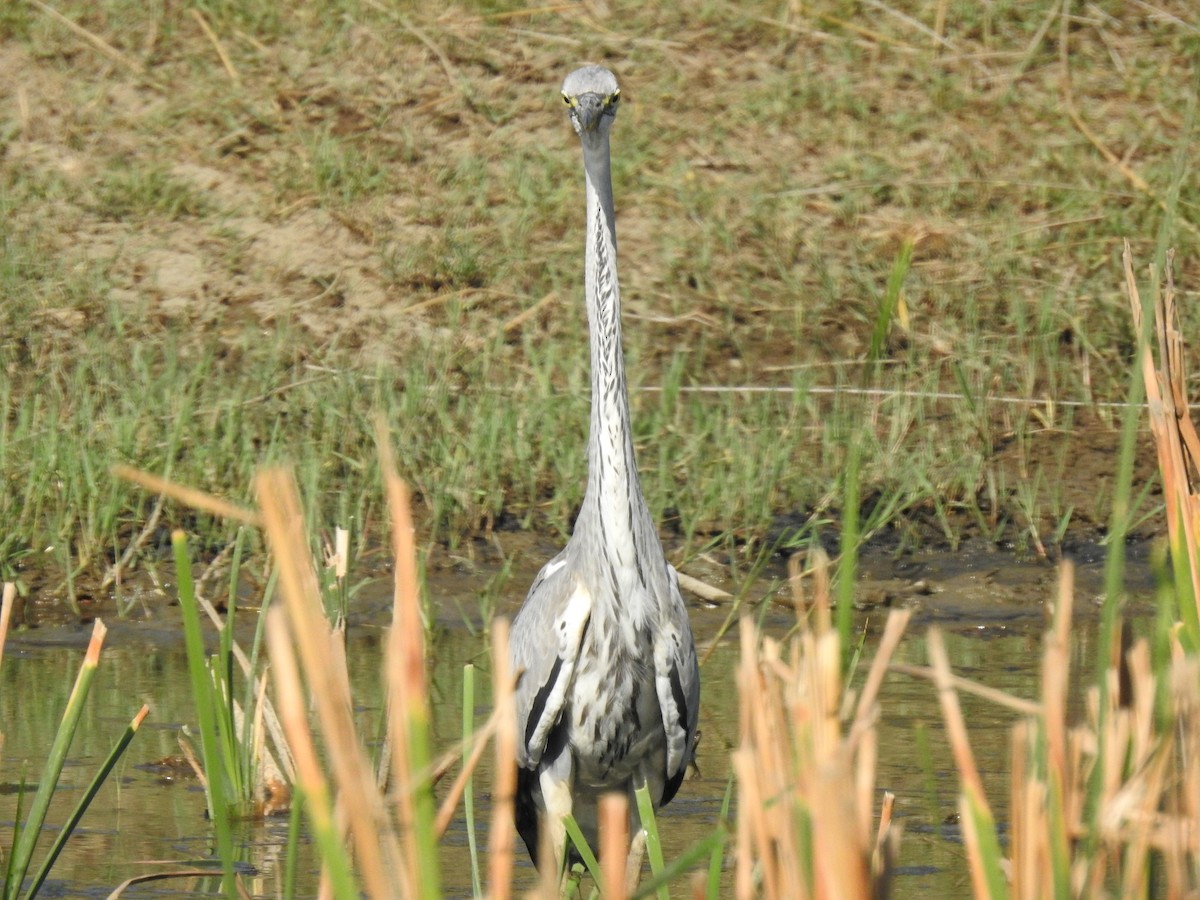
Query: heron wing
{"x":544,"y":647}
{"x":677,"y":682}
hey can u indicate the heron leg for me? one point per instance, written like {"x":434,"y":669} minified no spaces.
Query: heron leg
{"x":633,"y":862}
{"x":556,"y":783}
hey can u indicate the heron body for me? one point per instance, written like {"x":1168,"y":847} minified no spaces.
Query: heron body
{"x":609,"y":693}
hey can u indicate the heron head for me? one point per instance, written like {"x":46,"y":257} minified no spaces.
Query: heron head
{"x":591,"y":95}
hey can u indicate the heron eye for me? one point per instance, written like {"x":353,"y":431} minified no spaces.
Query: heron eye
{"x":612,"y":99}
{"x":566,"y":100}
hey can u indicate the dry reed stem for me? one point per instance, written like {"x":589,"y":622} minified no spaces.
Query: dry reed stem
{"x":293,"y":714}
{"x":450,"y":803}
{"x":1056,"y":669}
{"x":91,"y":656}
{"x":378,"y":851}
{"x":407,"y":690}
{"x":822,"y":607}
{"x":971,"y":838}
{"x":276,"y":793}
{"x":189,"y":756}
{"x":113,"y":574}
{"x":1021,"y":815}
{"x":7,"y":603}
{"x":842,"y":869}
{"x":1027,"y":844}
{"x":973,"y":795}
{"x":186,"y":495}
{"x":805,"y":790}
{"x":967,"y":686}
{"x":1175,"y":437}
{"x":753,"y":834}
{"x":703,"y":590}
{"x":770,"y":765}
{"x":887,"y":847}
{"x":549,"y":885}
{"x":503,"y":835}
{"x":614,"y":845}
{"x":868,"y":701}
{"x":753,"y":829}
{"x":864,"y":748}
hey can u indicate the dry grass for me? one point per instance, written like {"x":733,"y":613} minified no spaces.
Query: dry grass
{"x":1164,"y":373}
{"x":324,"y":211}
{"x":1109,"y":806}
{"x":393,"y":834}
{"x":1105,"y":806}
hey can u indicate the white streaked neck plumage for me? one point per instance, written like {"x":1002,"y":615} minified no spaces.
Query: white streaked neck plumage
{"x":614,"y":513}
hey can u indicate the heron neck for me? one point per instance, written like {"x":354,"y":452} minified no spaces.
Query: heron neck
{"x":613,"y":502}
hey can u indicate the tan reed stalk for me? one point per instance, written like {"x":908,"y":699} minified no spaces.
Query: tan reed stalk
{"x":293,"y":715}
{"x":408,"y":706}
{"x":380,"y":862}
{"x":470,"y":764}
{"x":806,"y":789}
{"x":189,"y":496}
{"x":7,"y":602}
{"x":748,"y":819}
{"x":978,"y":824}
{"x":1023,"y":808}
{"x":1140,"y":834}
{"x":1175,"y":438}
{"x":504,"y":829}
{"x":614,"y":845}
{"x":887,"y":848}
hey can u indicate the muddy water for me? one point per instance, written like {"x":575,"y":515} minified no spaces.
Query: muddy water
{"x":147,"y":819}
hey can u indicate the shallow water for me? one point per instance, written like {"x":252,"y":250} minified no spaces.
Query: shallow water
{"x":148,"y":820}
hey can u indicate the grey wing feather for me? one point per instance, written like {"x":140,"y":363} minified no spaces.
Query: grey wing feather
{"x":677,"y":680}
{"x":544,"y":648}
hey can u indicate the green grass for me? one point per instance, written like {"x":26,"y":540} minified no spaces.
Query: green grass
{"x":363,"y":217}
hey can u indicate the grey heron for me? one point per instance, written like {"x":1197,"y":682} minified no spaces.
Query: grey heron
{"x":609,"y":694}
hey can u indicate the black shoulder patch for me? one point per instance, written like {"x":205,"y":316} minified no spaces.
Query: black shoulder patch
{"x":675,"y":779}
{"x":539,"y":701}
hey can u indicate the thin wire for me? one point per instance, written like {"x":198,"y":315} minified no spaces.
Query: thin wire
{"x":879,"y":392}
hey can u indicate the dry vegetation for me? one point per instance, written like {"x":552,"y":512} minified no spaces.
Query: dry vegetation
{"x":355,"y":171}
{"x":233,"y":232}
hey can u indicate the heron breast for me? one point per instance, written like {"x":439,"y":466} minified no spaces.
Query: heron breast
{"x":614,"y":718}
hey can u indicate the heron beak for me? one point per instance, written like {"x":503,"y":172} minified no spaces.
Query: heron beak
{"x":589,"y":110}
